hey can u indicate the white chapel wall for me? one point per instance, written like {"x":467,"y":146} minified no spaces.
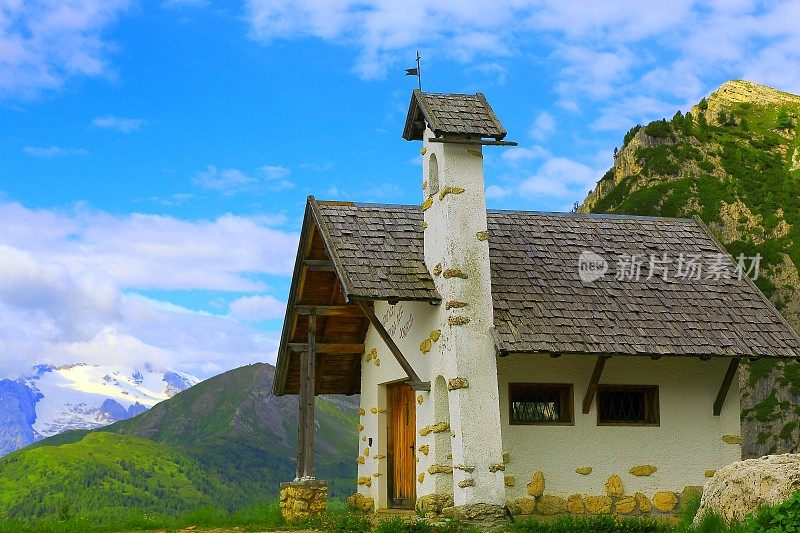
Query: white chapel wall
{"x":687,"y":443}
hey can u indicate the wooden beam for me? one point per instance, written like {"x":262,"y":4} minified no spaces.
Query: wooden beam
{"x":471,"y":141}
{"x":591,"y":390}
{"x":301,"y":417}
{"x":726,"y":386}
{"x":327,"y":348}
{"x":318,"y":265}
{"x":415,"y":383}
{"x":329,"y":310}
{"x":308,"y":468}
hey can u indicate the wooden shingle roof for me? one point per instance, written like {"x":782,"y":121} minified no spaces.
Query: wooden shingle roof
{"x":378,"y":251}
{"x":540,"y":303}
{"x":462,"y":115}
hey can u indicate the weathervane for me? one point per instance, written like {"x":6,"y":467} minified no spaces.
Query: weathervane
{"x":415,"y":72}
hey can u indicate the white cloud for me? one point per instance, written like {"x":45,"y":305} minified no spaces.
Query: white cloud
{"x":543,"y":125}
{"x":68,"y":282}
{"x":557,"y":178}
{"x":232,"y":181}
{"x":496,"y":191}
{"x":520,"y":155}
{"x":173,"y":4}
{"x":48,"y":152}
{"x":670,"y":53}
{"x":257,"y":308}
{"x":153,"y":252}
{"x":124,"y":125}
{"x":384,"y":30}
{"x":45,"y":43}
{"x":228,"y":181}
{"x":496,"y":73}
{"x":276,"y":177}
{"x":560,"y":177}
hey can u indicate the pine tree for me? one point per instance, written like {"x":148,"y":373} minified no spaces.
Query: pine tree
{"x":702,"y":127}
{"x":688,"y":123}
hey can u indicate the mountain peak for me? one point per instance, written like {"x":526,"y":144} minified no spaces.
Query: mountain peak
{"x":742,"y":91}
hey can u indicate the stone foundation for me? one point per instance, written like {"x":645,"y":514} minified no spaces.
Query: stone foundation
{"x":484,"y":516}
{"x":301,"y":499}
{"x":620,"y":504}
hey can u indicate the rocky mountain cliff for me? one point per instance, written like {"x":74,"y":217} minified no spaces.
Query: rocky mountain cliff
{"x":734,"y":161}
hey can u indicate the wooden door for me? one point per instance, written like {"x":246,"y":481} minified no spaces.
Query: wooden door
{"x":402,"y":460}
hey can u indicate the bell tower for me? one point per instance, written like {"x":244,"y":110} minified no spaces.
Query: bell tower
{"x":453,"y":129}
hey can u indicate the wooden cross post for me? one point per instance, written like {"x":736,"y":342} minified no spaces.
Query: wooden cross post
{"x":301,"y":417}
{"x":308,"y":469}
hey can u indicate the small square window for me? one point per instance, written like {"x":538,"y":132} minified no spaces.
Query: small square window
{"x":622,"y":405}
{"x":540,"y":403}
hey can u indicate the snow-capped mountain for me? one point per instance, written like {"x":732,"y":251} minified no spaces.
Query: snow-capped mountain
{"x":55,"y":399}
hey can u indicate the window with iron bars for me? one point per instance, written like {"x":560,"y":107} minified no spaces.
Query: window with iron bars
{"x":623,"y":405}
{"x":540,"y":403}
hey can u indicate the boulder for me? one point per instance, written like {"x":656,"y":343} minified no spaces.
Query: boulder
{"x":740,"y":488}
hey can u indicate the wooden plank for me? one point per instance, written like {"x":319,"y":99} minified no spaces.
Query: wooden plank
{"x":318,"y":265}
{"x":308,"y":470}
{"x":471,"y":141}
{"x":591,"y":390}
{"x":346,"y":348}
{"x":329,"y":310}
{"x":416,"y":383}
{"x":726,"y":386}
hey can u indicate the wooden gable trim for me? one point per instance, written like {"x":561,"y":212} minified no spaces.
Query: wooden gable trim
{"x":314,"y":227}
{"x":338,"y":269}
{"x":290,"y":319}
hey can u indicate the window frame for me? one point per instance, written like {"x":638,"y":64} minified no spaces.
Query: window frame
{"x":567,"y":392}
{"x":652,"y":390}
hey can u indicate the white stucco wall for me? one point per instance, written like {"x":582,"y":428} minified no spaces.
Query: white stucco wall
{"x":687,"y":442}
{"x":409,"y":323}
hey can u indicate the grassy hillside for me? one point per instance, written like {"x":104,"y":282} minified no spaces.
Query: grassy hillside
{"x":104,"y":473}
{"x":733,"y":161}
{"x":226,"y":442}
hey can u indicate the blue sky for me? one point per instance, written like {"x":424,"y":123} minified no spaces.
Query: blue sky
{"x":157,"y":155}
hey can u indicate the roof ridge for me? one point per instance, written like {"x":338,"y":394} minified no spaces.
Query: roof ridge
{"x":609,"y":216}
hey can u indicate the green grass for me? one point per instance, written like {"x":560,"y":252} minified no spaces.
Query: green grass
{"x":784,"y":518}
{"x":104,"y":473}
{"x":253,"y":518}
